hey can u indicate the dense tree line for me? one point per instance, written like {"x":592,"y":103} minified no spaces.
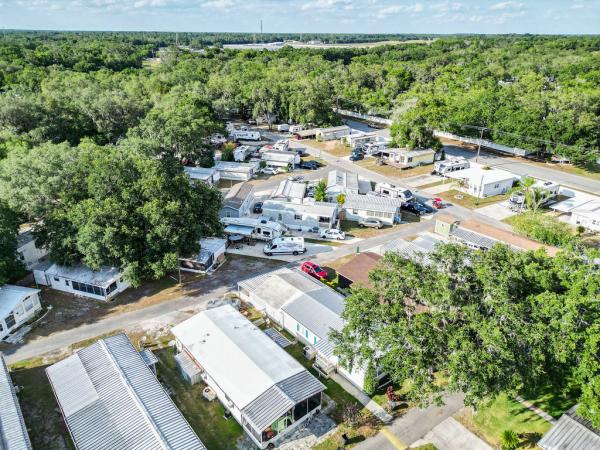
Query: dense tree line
{"x":65,"y":91}
{"x":486,"y":322}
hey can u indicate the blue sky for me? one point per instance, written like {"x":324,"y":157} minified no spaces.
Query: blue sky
{"x":338,"y":16}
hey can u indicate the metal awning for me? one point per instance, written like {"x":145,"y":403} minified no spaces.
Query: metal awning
{"x":239,"y":229}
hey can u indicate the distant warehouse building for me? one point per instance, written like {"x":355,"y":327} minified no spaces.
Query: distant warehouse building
{"x":111,"y":399}
{"x":267,"y":391}
{"x":13,"y":431}
{"x":80,"y":280}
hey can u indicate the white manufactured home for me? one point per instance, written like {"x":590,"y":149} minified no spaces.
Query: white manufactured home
{"x":481,"y":183}
{"x":13,"y":431}
{"x":332,"y":133}
{"x":265,"y":389}
{"x":236,"y":171}
{"x":18,"y":305}
{"x":359,"y":207}
{"x":110,"y":398}
{"x":79,"y":280}
{"x":302,"y":216}
{"x":285,"y":159}
{"x":27,"y":251}
{"x":307,"y":309}
{"x":206,"y":175}
{"x":341,"y":182}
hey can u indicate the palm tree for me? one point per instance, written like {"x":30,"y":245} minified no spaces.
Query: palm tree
{"x":533,"y":196}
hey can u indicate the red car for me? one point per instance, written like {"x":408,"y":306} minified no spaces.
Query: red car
{"x":313,"y":270}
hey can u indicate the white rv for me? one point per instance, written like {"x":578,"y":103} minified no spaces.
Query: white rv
{"x":260,"y":228}
{"x":242,"y":152}
{"x":374,"y":148}
{"x":283,"y":127}
{"x":282,"y":146}
{"x":450,"y":165}
{"x":246,"y":135}
{"x":393,"y":191}
{"x":296,"y":128}
{"x":284,"y":245}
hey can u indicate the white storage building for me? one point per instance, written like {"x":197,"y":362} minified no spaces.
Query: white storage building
{"x":103,"y":284}
{"x":267,"y":391}
{"x":302,"y":217}
{"x":18,"y":305}
{"x":206,"y":175}
{"x":111,"y":399}
{"x":290,"y":191}
{"x":236,"y":171}
{"x":13,"y":431}
{"x":341,"y":182}
{"x":482,"y":183}
{"x":27,"y":252}
{"x":306,"y":308}
{"x":359,"y":207}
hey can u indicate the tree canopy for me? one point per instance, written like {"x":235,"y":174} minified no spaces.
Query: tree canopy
{"x":10,"y":267}
{"x":486,"y":321}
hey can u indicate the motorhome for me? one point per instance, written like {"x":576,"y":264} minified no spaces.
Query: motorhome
{"x":242,"y":152}
{"x":374,"y":148}
{"x":282,"y":146}
{"x":246,"y":135}
{"x":285,"y":245}
{"x":393,"y":191}
{"x":260,"y":228}
{"x":450,"y":165}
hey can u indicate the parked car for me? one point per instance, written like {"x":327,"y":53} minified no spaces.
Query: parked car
{"x":257,"y":208}
{"x":269,"y":170}
{"x":313,"y":270}
{"x":310,"y":165}
{"x":333,"y":233}
{"x":415,"y":208}
{"x":356,"y":156}
{"x":370,"y":222}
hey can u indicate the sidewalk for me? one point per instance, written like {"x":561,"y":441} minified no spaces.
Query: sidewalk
{"x":543,"y":414}
{"x":367,"y":402}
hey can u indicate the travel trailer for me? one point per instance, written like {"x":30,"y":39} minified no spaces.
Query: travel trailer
{"x":393,"y":191}
{"x":245,"y":135}
{"x":374,"y":148}
{"x":260,"y":228}
{"x":285,"y":245}
{"x":450,"y":165}
{"x":282,"y":145}
{"x":242,"y":152}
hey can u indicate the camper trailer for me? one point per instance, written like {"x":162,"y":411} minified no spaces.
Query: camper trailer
{"x":283,"y":127}
{"x":242,"y":152}
{"x":245,"y":135}
{"x":282,"y":146}
{"x":296,"y":128}
{"x":285,"y":245}
{"x":374,"y":148}
{"x":450,"y":165}
{"x":393,"y":191}
{"x":260,"y":228}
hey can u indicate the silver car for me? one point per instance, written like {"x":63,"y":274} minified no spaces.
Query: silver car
{"x":370,"y":222}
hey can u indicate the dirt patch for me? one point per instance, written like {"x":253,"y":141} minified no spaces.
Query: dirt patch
{"x":393,"y":172}
{"x":335,"y":148}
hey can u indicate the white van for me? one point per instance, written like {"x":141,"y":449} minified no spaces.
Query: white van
{"x":393,"y":191}
{"x":283,"y":127}
{"x":284,"y":245}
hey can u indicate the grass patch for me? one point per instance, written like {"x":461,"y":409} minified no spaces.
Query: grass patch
{"x":549,"y":400}
{"x":206,"y":418}
{"x":504,"y":413}
{"x":393,"y":172}
{"x":434,"y":184}
{"x":324,"y":242}
{"x":351,"y":228}
{"x":468,"y":201}
{"x":43,"y":418}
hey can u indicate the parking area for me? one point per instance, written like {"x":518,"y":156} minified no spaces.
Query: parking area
{"x":452,"y":435}
{"x":498,"y":211}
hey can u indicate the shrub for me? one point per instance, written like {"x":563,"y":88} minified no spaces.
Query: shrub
{"x":509,"y":440}
{"x":543,"y":228}
{"x":227,"y":151}
{"x":370,"y":383}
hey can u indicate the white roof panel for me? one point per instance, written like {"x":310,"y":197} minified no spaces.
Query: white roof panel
{"x":13,"y":432}
{"x":11,"y":296}
{"x":83,"y":274}
{"x":243,"y":360}
{"x":477,"y":174}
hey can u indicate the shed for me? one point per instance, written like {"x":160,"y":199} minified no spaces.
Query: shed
{"x":238,"y":201}
{"x":110,"y":399}
{"x":188,"y":369}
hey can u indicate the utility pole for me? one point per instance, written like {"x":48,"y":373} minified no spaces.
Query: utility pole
{"x":479,"y":146}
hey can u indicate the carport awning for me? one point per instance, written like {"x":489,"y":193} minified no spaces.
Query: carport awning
{"x":239,"y":229}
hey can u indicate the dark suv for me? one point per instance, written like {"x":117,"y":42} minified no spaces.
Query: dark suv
{"x":415,"y":208}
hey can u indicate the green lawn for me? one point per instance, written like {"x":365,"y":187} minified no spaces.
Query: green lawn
{"x":468,"y":201}
{"x":504,"y":413}
{"x":206,"y":418}
{"x":554,"y":403}
{"x":351,"y":228}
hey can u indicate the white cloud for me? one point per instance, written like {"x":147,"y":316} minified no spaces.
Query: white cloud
{"x":219,"y":4}
{"x":578,"y":6}
{"x":447,"y":7}
{"x":509,"y":5}
{"x":325,"y":4}
{"x":398,"y":9}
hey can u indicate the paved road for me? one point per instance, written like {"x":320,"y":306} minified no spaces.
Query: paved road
{"x":412,"y":426}
{"x":519,"y":167}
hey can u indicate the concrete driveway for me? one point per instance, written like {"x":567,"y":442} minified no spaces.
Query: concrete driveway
{"x":498,"y":211}
{"x":452,"y":435}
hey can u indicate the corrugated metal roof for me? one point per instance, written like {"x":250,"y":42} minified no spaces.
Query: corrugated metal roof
{"x":278,"y":399}
{"x":13,"y":432}
{"x":571,"y":432}
{"x":323,"y":209}
{"x":372,"y":203}
{"x":407,"y":249}
{"x":290,"y":189}
{"x":473,"y":238}
{"x":11,"y":296}
{"x":237,"y":195}
{"x":124,"y":406}
{"x":230,"y":166}
{"x":149,"y":357}
{"x":83,"y":274}
{"x":342,"y":179}
{"x":200,"y":173}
